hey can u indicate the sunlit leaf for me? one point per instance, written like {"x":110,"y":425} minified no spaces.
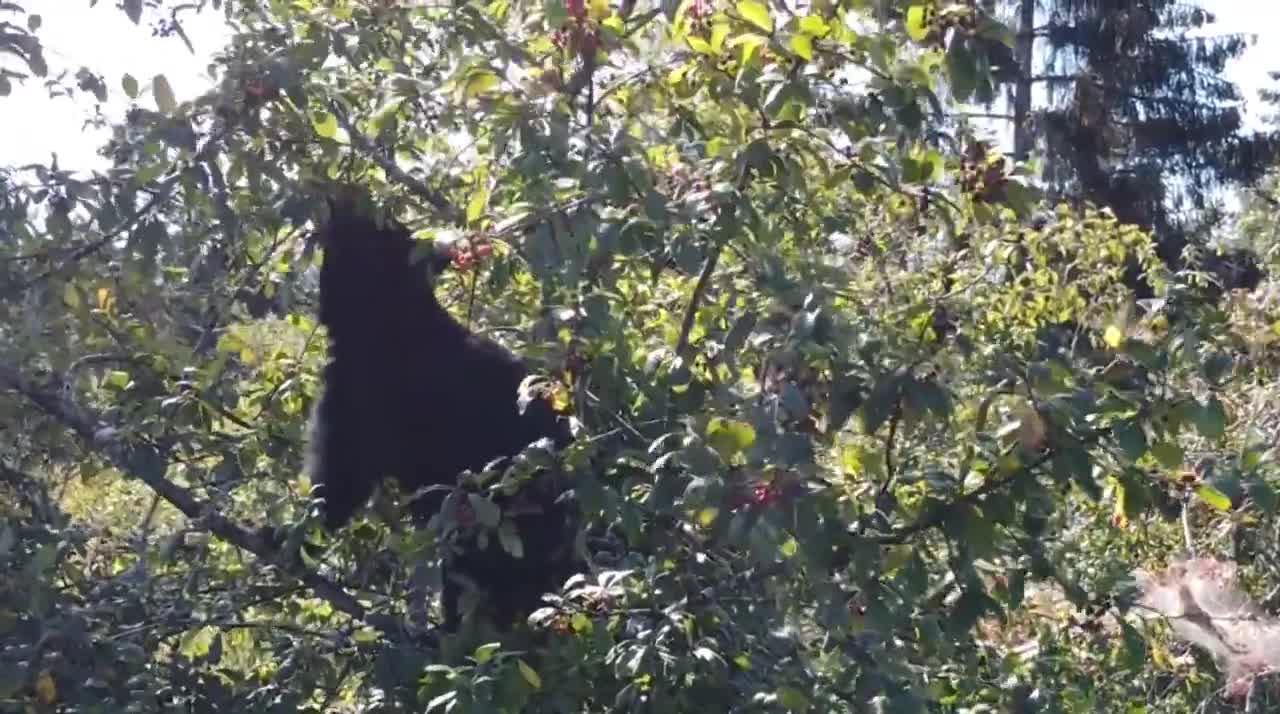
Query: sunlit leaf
{"x":802,"y":45}
{"x":917,"y":22}
{"x":479,"y":83}
{"x":1113,"y":336}
{"x":476,"y":206}
{"x":1213,"y":497}
{"x":757,"y":13}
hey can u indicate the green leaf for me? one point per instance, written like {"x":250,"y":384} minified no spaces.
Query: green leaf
{"x":479,"y":201}
{"x":802,"y":45}
{"x":934,"y":166}
{"x":699,"y":45}
{"x":71,"y":296}
{"x":719,"y":33}
{"x":1131,"y":440}
{"x":1214,"y":497}
{"x":485,"y":652}
{"x":793,"y":699}
{"x":480,"y":82}
{"x":1263,"y":495}
{"x":530,"y":675}
{"x":487,"y":512}
{"x":730,"y":437}
{"x":163,"y":94}
{"x":129,"y":85}
{"x":326,"y":124}
{"x":1211,"y":419}
{"x":1168,"y":454}
{"x":962,"y":66}
{"x":917,"y":22}
{"x":814,"y":25}
{"x":385,"y":115}
{"x":510,"y":539}
{"x":750,"y":43}
{"x":757,"y":13}
{"x":706,"y":516}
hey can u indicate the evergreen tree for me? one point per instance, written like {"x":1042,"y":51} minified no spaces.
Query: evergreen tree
{"x":1137,"y":114}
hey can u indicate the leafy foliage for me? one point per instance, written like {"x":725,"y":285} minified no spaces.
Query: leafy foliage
{"x":864,"y":424}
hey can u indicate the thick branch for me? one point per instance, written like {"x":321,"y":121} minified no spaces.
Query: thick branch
{"x":146,"y":463}
{"x":438,"y":201}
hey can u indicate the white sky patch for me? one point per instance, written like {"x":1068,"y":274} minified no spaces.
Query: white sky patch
{"x":103,"y":39}
{"x":1249,"y":71}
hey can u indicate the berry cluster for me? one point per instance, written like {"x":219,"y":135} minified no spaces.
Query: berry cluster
{"x":579,"y":35}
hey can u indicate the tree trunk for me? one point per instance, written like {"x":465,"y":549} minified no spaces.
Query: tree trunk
{"x":1022,"y":137}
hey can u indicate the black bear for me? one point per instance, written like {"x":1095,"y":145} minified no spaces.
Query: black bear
{"x":410,"y":393}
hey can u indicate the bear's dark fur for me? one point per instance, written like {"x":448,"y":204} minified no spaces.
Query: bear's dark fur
{"x":410,"y":393}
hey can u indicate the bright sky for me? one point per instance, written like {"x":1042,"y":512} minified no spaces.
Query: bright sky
{"x":33,"y":125}
{"x":102,"y":38}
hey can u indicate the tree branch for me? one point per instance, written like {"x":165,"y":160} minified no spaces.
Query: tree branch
{"x":438,"y":200}
{"x":147,"y":464}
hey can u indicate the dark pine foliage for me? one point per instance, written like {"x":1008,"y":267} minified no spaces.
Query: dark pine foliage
{"x":1142,"y":118}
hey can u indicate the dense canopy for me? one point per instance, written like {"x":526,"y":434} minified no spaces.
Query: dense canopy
{"x":872,"y":411}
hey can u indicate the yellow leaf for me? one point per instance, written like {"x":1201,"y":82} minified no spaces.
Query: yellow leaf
{"x":707,"y":516}
{"x":529,"y":674}
{"x":104,"y":298}
{"x":719,"y":32}
{"x":789,"y":548}
{"x":802,"y":45}
{"x":559,"y":397}
{"x":1214,"y":497}
{"x":46,"y":688}
{"x":697,"y":44}
{"x":326,"y":124}
{"x":675,"y":76}
{"x":479,"y":83}
{"x":475,"y":207}
{"x":71,"y":296}
{"x":750,"y":43}
{"x":918,"y":22}
{"x":814,"y":25}
{"x":757,"y":13}
{"x":1113,"y":336}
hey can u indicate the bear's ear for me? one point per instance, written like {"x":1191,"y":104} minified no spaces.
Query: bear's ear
{"x":347,"y":202}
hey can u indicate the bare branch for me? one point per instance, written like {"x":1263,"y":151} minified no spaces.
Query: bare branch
{"x":147,"y":464}
{"x":443,"y":206}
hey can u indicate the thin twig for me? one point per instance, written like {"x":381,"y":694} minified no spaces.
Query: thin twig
{"x":691,"y":312}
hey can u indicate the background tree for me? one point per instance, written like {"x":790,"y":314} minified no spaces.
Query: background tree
{"x":1137,"y":114}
